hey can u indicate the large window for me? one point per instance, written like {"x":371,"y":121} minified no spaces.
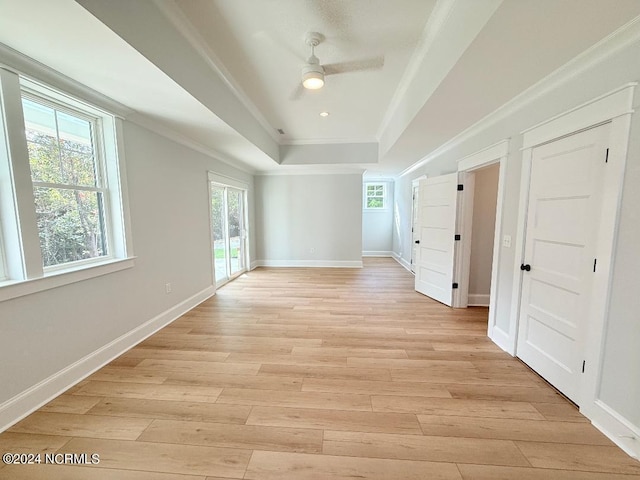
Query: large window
{"x":68,"y":188}
{"x":61,"y":204}
{"x":375,"y":196}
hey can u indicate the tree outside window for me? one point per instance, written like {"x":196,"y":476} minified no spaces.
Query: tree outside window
{"x":67,"y":183}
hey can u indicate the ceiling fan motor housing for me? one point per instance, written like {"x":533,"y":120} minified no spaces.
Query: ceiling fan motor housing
{"x":312,"y":72}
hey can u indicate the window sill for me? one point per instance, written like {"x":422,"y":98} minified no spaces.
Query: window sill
{"x":19,"y":288}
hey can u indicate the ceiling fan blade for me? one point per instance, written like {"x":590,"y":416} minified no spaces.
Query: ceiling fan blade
{"x":374,"y":63}
{"x":297,"y":93}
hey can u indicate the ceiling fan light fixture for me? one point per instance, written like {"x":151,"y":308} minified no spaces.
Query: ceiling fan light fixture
{"x":312,"y":77}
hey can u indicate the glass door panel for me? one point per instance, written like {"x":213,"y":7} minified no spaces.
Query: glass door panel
{"x":236,"y":230}
{"x":229,"y":233}
{"x":218,"y":216}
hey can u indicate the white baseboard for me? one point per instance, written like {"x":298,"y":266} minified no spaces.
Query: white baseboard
{"x":401,"y":261}
{"x":18,"y":407}
{"x":310,"y":263}
{"x":376,"y":253}
{"x":255,"y":264}
{"x":619,"y":430}
{"x":478,"y":300}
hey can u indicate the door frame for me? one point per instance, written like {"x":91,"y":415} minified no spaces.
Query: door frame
{"x":616,"y":108}
{"x":415,"y":184}
{"x":230,"y":182}
{"x":496,"y":153}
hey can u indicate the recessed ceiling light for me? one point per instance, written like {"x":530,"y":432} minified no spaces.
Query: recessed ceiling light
{"x":324,"y":114}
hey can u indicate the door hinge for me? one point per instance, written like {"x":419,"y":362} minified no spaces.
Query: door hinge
{"x":595,"y":260}
{"x":460,"y":187}
{"x":606,"y":158}
{"x":456,"y":236}
{"x":583,"y":364}
{"x":455,"y":285}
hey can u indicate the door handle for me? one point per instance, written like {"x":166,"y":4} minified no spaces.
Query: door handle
{"x":417,"y":241}
{"x":526,"y":267}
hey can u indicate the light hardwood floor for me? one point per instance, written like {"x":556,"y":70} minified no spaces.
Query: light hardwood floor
{"x":314,"y":374}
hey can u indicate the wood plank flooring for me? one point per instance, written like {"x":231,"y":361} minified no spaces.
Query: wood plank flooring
{"x":315,"y":374}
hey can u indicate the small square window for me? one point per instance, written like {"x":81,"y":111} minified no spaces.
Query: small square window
{"x":375,"y":196}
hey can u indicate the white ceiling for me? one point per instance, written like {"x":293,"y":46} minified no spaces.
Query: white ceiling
{"x":221,"y":73}
{"x":261,"y":45}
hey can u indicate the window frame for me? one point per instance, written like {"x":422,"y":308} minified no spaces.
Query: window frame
{"x":383,"y":197}
{"x":23,"y":271}
{"x":102,"y":185}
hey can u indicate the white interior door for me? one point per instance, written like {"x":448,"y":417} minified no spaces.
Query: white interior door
{"x":437,"y":199}
{"x":558,"y":267}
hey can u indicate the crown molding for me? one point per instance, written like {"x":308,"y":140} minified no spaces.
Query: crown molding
{"x":625,"y":36}
{"x":183,"y":25}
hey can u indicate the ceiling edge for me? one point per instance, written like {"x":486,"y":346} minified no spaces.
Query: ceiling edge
{"x":324,"y":141}
{"x":437,"y":19}
{"x":183,"y":25}
{"x":41,"y":73}
{"x":623,"y":37}
{"x":457,"y":24}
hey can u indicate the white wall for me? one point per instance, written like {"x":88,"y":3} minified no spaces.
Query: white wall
{"x":311,"y":220}
{"x":484,"y":220}
{"x":377,"y":226}
{"x":620,"y":381}
{"x":43,"y":333}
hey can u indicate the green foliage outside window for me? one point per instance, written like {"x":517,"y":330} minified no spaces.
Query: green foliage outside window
{"x":68,"y":200}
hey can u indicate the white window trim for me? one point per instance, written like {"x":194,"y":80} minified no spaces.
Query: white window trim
{"x":385,"y":197}
{"x":22,"y":272}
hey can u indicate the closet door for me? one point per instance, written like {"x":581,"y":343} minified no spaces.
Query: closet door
{"x":558,"y":268}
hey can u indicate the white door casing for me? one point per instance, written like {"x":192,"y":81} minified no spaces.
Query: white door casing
{"x":414,"y":227}
{"x":437,"y":208}
{"x":493,"y":154}
{"x":563,"y":214}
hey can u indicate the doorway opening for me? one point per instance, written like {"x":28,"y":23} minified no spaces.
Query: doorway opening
{"x":485,"y":196}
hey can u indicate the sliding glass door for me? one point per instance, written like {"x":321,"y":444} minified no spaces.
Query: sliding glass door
{"x":228,"y":207}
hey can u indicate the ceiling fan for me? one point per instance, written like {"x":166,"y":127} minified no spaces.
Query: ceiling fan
{"x":313,"y":72}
